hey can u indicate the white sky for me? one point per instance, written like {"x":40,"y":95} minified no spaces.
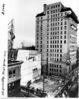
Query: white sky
{"x":24,"y":12}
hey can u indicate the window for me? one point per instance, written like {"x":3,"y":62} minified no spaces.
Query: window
{"x":54,"y":15}
{"x":57,"y":55}
{"x":47,"y":42}
{"x":40,"y":46}
{"x":65,"y":23}
{"x":65,"y":37}
{"x":64,"y":32}
{"x":61,"y":19}
{"x":64,"y":41}
{"x":47,"y":50}
{"x":47,"y":8}
{"x":61,"y":28}
{"x":60,"y":50}
{"x":47,"y":29}
{"x":60,"y":41}
{"x":47,"y":12}
{"x":48,"y":21}
{"x":47,"y":37}
{"x":60,"y":46}
{"x":40,"y":50}
{"x":41,"y":28}
{"x":10,"y":74}
{"x":60,"y":66}
{"x":50,"y":41}
{"x":58,"y":16}
{"x":61,"y":23}
{"x":51,"y":12}
{"x":57,"y":50}
{"x":60,"y":71}
{"x":34,"y":70}
{"x":47,"y":33}
{"x":48,"y":17}
{"x":47,"y":46}
{"x":60,"y":59}
{"x":61,"y":55}
{"x":65,"y":27}
{"x":57,"y":46}
{"x":51,"y":33}
{"x":50,"y":46}
{"x":58,"y":9}
{"x":57,"y":41}
{"x":47,"y":54}
{"x":58,"y":5}
{"x":61,"y":37}
{"x":38,"y":19}
{"x":37,"y":46}
{"x":14,"y":72}
{"x":47,"y":25}
{"x":41,"y":38}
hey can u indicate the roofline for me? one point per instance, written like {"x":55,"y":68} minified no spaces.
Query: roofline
{"x":15,"y":63}
{"x":72,"y":15}
{"x":56,"y":3}
{"x":40,"y":14}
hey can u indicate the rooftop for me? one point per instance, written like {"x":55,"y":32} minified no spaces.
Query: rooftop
{"x":40,"y":14}
{"x":72,"y":15}
{"x":56,"y":4}
{"x":14,"y":62}
{"x":51,"y":86}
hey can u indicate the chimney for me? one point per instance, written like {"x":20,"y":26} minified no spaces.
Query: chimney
{"x":45,"y":5}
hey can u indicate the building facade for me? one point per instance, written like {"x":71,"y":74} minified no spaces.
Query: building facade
{"x":14,"y":66}
{"x":14,"y":77}
{"x":11,"y":35}
{"x":56,"y":38}
{"x":77,"y":55}
{"x":31,"y":67}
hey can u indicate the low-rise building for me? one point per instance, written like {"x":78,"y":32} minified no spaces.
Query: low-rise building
{"x":31,"y":67}
{"x":14,"y":78}
{"x":14,"y":66}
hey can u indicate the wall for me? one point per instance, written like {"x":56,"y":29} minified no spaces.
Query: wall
{"x":32,"y":60}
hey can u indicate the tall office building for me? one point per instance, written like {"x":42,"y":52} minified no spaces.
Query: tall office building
{"x":56,"y":38}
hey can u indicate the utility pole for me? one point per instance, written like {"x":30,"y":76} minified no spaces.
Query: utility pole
{"x":47,"y":66}
{"x":44,"y":72}
{"x":43,"y":80}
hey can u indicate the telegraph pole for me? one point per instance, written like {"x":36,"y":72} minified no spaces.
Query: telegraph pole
{"x":43,"y":80}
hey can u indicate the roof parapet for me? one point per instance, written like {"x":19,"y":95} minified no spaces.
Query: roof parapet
{"x":72,"y":14}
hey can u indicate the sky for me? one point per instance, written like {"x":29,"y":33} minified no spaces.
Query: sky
{"x":24,"y":12}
